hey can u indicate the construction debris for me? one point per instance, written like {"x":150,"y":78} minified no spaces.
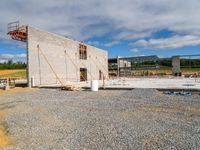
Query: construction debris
{"x":182,"y":93}
{"x":70,"y":88}
{"x":194,"y":75}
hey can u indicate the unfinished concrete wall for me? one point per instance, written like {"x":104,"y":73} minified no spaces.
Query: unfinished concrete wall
{"x":50,"y":54}
{"x":176,"y":69}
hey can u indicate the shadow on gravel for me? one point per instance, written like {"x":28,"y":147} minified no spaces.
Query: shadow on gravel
{"x":9,"y":105}
{"x":4,"y":139}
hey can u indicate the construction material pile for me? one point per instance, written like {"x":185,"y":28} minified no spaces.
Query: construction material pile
{"x":194,"y":75}
{"x":182,"y":93}
{"x":70,"y":88}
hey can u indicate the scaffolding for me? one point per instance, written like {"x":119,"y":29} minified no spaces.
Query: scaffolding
{"x":17,"y":32}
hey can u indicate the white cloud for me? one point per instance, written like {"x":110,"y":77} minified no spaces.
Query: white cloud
{"x":169,"y":43}
{"x":97,"y":43}
{"x":93,"y":43}
{"x":6,"y":57}
{"x":135,"y":50}
{"x":12,"y":44}
{"x":118,"y":20}
{"x":109,"y":44}
{"x":127,"y":19}
{"x":20,"y":56}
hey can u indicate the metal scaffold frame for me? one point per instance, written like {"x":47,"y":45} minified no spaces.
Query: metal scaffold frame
{"x":17,"y":32}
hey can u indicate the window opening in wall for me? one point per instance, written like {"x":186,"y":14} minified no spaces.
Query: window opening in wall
{"x":82,"y":51}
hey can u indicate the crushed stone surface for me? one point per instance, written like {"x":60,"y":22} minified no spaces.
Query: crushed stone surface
{"x":140,"y":119}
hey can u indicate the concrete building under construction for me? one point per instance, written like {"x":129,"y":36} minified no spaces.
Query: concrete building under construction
{"x":53,"y":59}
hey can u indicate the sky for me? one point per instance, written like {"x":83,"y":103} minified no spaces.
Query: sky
{"x":123,"y":28}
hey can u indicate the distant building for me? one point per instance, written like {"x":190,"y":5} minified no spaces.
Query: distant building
{"x":123,"y":65}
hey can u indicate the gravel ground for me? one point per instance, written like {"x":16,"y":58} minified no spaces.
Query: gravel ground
{"x":137,"y":119}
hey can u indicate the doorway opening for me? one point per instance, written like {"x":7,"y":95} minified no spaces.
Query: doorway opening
{"x":83,"y":74}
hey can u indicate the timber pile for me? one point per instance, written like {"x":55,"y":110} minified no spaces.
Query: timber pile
{"x":70,"y":88}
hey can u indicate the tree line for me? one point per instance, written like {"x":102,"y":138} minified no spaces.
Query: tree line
{"x":168,"y":63}
{"x":12,"y":65}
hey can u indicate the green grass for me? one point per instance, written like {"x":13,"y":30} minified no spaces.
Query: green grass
{"x":21,"y":74}
{"x":165,"y":70}
{"x":193,"y":70}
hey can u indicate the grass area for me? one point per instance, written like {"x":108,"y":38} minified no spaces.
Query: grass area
{"x":190,"y":70}
{"x":16,"y":90}
{"x":164,"y":71}
{"x":13,"y":73}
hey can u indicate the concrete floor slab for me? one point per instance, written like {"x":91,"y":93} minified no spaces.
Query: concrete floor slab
{"x":157,"y":83}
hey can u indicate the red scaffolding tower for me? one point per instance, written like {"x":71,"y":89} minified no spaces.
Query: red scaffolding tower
{"x":17,"y":32}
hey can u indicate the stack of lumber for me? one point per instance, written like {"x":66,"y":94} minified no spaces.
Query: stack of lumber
{"x":70,"y":88}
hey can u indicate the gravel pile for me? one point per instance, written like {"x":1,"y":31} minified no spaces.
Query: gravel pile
{"x":137,"y":119}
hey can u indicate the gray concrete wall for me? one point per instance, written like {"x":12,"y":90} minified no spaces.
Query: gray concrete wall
{"x":176,"y":69}
{"x":53,"y":47}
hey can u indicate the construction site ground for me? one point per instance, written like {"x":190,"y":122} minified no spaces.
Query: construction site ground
{"x":108,"y":119}
{"x":140,"y":82}
{"x":155,"y":82}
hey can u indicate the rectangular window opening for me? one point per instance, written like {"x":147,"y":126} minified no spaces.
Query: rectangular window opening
{"x":82,"y":51}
